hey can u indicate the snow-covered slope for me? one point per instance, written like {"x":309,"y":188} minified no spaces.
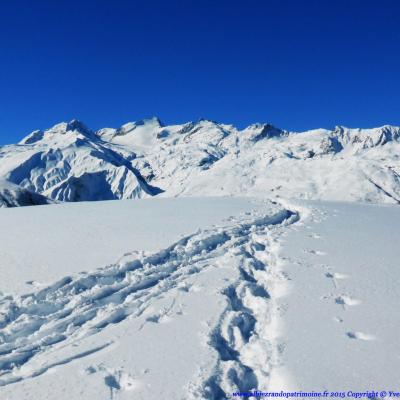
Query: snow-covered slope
{"x":263,"y":161}
{"x":198,"y":297}
{"x":69,"y":162}
{"x":100,"y":329}
{"x":340,"y":325}
{"x":238,"y":295}
{"x":75,"y":237}
{"x":12,"y":195}
{"x":207,"y":158}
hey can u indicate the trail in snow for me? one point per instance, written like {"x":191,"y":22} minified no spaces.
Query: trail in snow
{"x":246,"y":336}
{"x":76,"y":307}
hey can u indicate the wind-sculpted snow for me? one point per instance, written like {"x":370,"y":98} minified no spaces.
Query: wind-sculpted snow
{"x":69,"y":162}
{"x":77,"y":307}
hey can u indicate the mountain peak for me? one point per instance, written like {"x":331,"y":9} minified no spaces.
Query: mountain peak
{"x":73,"y":126}
{"x":367,"y":138}
{"x":263,"y":131}
{"x":76,"y":125}
{"x":206,"y":120}
{"x":65,"y":163}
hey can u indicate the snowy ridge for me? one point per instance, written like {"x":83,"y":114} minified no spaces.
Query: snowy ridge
{"x":76,"y":307}
{"x":69,"y":162}
{"x":12,"y":195}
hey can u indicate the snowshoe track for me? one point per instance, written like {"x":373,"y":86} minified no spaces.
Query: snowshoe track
{"x":76,"y":307}
{"x":247,"y":349}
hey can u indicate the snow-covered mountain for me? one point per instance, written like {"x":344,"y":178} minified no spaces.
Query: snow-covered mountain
{"x":70,"y":162}
{"x":199,"y":297}
{"x":15,"y":196}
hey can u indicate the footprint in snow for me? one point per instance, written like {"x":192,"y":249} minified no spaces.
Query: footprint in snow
{"x":35,"y":284}
{"x":119,"y":380}
{"x":187,"y":288}
{"x":314,"y":236}
{"x":315,"y":252}
{"x":360,"y":336}
{"x":335,"y":276}
{"x":159,"y":318}
{"x":184,"y":287}
{"x":90,"y":370}
{"x":257,"y":246}
{"x":347,"y":301}
{"x":114,"y":379}
{"x":163,"y":315}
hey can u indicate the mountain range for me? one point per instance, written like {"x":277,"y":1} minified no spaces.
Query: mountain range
{"x":70,"y":162}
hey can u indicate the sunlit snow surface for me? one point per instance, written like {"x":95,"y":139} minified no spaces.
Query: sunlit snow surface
{"x":69,"y":162}
{"x":197,"y":298}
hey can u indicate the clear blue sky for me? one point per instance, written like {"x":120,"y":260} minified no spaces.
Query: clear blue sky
{"x":296,"y":64}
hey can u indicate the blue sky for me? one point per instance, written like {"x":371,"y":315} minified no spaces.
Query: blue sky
{"x":296,"y":64}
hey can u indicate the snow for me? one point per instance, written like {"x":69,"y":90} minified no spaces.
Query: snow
{"x":198,"y":295}
{"x":70,"y":238}
{"x":235,"y":265}
{"x":202,"y":297}
{"x":15,"y":196}
{"x":139,"y":134}
{"x":69,"y":162}
{"x":341,"y":319}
